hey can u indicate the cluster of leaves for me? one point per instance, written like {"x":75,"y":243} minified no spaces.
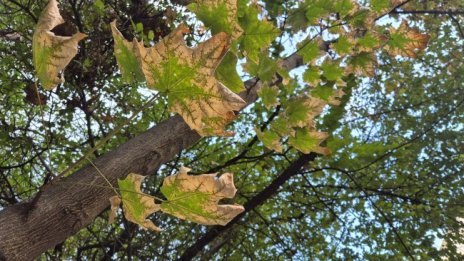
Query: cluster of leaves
{"x":347,"y":44}
{"x":193,"y":198}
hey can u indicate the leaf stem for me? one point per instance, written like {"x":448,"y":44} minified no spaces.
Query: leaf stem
{"x":108,"y":137}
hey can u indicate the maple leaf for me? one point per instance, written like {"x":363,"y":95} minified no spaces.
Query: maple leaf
{"x":385,"y":6}
{"x":406,"y":41}
{"x":125,"y":56}
{"x":269,"y":96}
{"x":196,"y":198}
{"x":270,"y":139}
{"x":301,"y":111}
{"x":220,"y":16}
{"x":227,"y":74}
{"x":308,"y":141}
{"x":362,"y":64}
{"x":186,"y":75}
{"x":115,"y":202}
{"x":257,"y":34}
{"x":52,"y":53}
{"x":136,"y":204}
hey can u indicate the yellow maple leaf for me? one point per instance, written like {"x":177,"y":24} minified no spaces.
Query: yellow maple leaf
{"x":414,"y":41}
{"x":52,"y":53}
{"x":213,"y":107}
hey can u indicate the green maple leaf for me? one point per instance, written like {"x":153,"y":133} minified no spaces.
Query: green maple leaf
{"x":301,"y":111}
{"x":227,"y":74}
{"x":310,"y":51}
{"x":264,"y":68}
{"x":343,"y":45}
{"x":258,"y":34}
{"x":269,"y":96}
{"x":137,"y":205}
{"x":220,"y":16}
{"x":312,"y":75}
{"x":308,"y":141}
{"x":332,"y":71}
{"x":270,"y":139}
{"x":126,"y":57}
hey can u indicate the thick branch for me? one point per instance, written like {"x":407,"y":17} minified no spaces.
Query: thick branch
{"x":433,"y":12}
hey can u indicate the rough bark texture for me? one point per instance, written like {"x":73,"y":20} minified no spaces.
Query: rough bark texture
{"x":67,"y":206}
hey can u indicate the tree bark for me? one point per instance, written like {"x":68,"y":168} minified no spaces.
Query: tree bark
{"x":69,"y":205}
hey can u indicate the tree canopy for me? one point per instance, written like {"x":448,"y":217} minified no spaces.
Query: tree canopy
{"x":312,"y":129}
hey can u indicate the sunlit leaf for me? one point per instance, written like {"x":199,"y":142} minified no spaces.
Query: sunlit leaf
{"x":220,"y":16}
{"x":270,"y":139}
{"x":186,"y":76}
{"x":126,"y":57}
{"x":301,"y":111}
{"x":332,"y":70}
{"x":310,"y":50}
{"x":52,"y":53}
{"x":257,"y":35}
{"x":136,"y":204}
{"x":308,"y":141}
{"x":268,"y":95}
{"x":227,"y":74}
{"x":312,"y":75}
{"x":264,"y":68}
{"x":195,"y":197}
{"x":406,"y":41}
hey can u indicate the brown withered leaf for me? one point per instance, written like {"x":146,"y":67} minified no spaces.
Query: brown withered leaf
{"x":115,"y":202}
{"x":52,"y":53}
{"x":406,"y":41}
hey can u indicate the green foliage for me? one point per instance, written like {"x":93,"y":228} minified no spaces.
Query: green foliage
{"x":264,"y":67}
{"x":307,"y":141}
{"x":269,"y":96}
{"x":126,"y":58}
{"x":270,"y":139}
{"x":227,"y":74}
{"x":257,"y":34}
{"x":395,"y":137}
{"x":309,"y":50}
{"x":137,"y":205}
{"x":214,"y":16}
